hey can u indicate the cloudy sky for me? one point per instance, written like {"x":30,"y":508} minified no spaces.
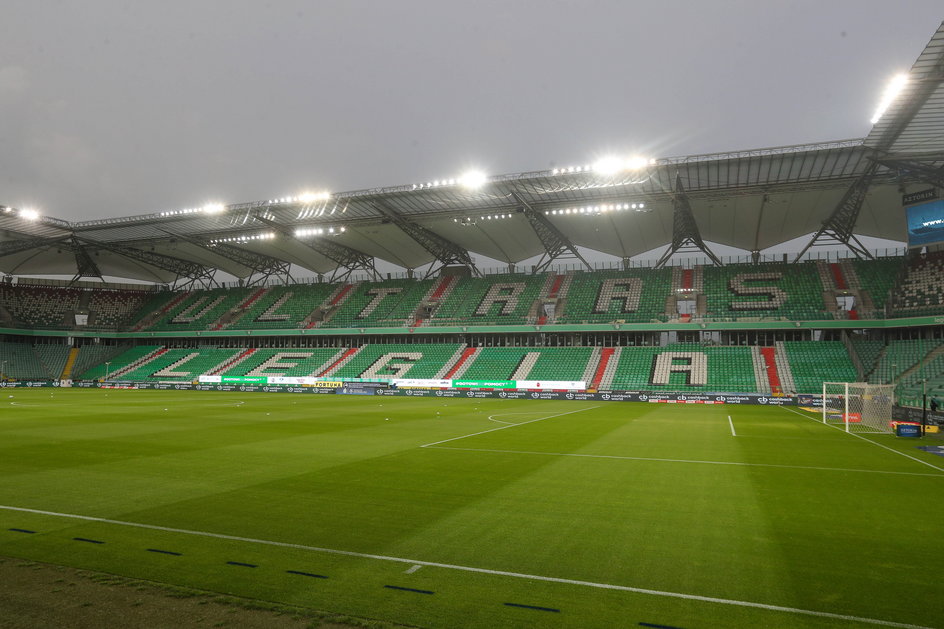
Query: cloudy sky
{"x":112,"y":108}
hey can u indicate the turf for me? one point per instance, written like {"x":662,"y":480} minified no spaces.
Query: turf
{"x":523,"y":513}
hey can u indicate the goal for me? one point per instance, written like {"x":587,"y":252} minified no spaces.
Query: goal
{"x":858,"y":406}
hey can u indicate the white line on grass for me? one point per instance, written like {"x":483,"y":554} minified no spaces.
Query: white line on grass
{"x":503,"y":573}
{"x":735,"y":463}
{"x":412,"y":569}
{"x":482,"y":432}
{"x":731,"y":423}
{"x":907,"y":456}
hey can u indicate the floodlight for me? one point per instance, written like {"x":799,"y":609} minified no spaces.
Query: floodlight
{"x":892,"y":91}
{"x":213,"y":208}
{"x":636,"y":162}
{"x":608,"y":165}
{"x":308,"y":197}
{"x":473,"y":179}
{"x":29,"y":214}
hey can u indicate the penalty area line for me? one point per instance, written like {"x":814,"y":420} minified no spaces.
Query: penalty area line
{"x":502,"y":573}
{"x":875,"y":443}
{"x":482,"y":432}
{"x":731,"y":423}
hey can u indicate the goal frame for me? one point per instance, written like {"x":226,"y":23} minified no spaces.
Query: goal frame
{"x":863,"y":390}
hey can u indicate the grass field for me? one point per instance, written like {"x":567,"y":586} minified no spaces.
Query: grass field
{"x":480,"y":513}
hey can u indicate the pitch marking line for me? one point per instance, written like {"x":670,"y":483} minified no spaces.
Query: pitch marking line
{"x":482,"y":432}
{"x":492,"y":417}
{"x":731,"y":423}
{"x":502,"y":573}
{"x":736,"y":463}
{"x":907,"y":456}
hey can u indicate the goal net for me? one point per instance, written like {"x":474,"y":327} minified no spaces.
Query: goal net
{"x":858,"y":406}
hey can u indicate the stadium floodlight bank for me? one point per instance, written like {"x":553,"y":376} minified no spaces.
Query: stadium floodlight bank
{"x":858,"y":406}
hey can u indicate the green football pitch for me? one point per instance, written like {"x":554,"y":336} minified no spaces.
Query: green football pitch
{"x":480,"y":513}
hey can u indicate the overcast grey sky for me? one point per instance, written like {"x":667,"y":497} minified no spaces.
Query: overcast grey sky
{"x":111,"y":108}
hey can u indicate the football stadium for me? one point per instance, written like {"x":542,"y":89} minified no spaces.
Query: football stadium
{"x":259,"y":408}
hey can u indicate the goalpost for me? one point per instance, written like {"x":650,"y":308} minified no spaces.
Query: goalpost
{"x":858,"y":406}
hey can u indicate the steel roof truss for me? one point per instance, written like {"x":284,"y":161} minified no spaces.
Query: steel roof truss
{"x":685,"y":234}
{"x":556,"y":244}
{"x":838,"y":228}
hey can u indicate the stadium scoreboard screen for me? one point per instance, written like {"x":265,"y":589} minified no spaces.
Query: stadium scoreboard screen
{"x":924,"y":213}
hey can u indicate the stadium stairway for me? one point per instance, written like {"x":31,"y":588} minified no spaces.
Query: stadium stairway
{"x":153,"y":318}
{"x":344,"y":359}
{"x":229,"y":363}
{"x":462,"y":364}
{"x":770,"y":369}
{"x":137,"y":363}
{"x":237,"y":313}
{"x":70,"y":363}
{"x":606,"y":354}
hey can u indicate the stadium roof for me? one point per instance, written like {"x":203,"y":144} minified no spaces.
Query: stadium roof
{"x":751,"y":200}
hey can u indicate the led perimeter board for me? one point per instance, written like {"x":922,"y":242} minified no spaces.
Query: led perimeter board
{"x":925,"y":216}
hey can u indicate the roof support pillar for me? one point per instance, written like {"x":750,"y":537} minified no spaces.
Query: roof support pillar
{"x":556,"y":244}
{"x":838,"y":228}
{"x":685,"y":234}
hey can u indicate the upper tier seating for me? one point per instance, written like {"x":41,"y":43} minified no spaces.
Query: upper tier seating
{"x":878,"y":278}
{"x":200,"y":310}
{"x":492,"y":300}
{"x":637,"y":295}
{"x":921,"y":291}
{"x":41,"y":306}
{"x":778,"y":290}
{"x":283,"y":307}
{"x":380,"y":304}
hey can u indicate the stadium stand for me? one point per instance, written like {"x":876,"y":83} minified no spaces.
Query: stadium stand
{"x":604,"y":296}
{"x":505,"y":299}
{"x":877,"y":277}
{"x":813,"y":363}
{"x":529,"y":363}
{"x":20,"y":361}
{"x":685,"y":367}
{"x":282,"y":307}
{"x":389,"y":360}
{"x":773,"y":290}
{"x":921,"y":290}
{"x":280,"y":362}
{"x":380,"y":304}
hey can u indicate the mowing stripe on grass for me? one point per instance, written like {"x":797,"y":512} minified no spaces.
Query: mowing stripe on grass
{"x":642,"y":458}
{"x":539,"y":419}
{"x":501,"y":573}
{"x":540,"y":609}
{"x":731,"y":423}
{"x":907,"y":456}
{"x":397,"y":587}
